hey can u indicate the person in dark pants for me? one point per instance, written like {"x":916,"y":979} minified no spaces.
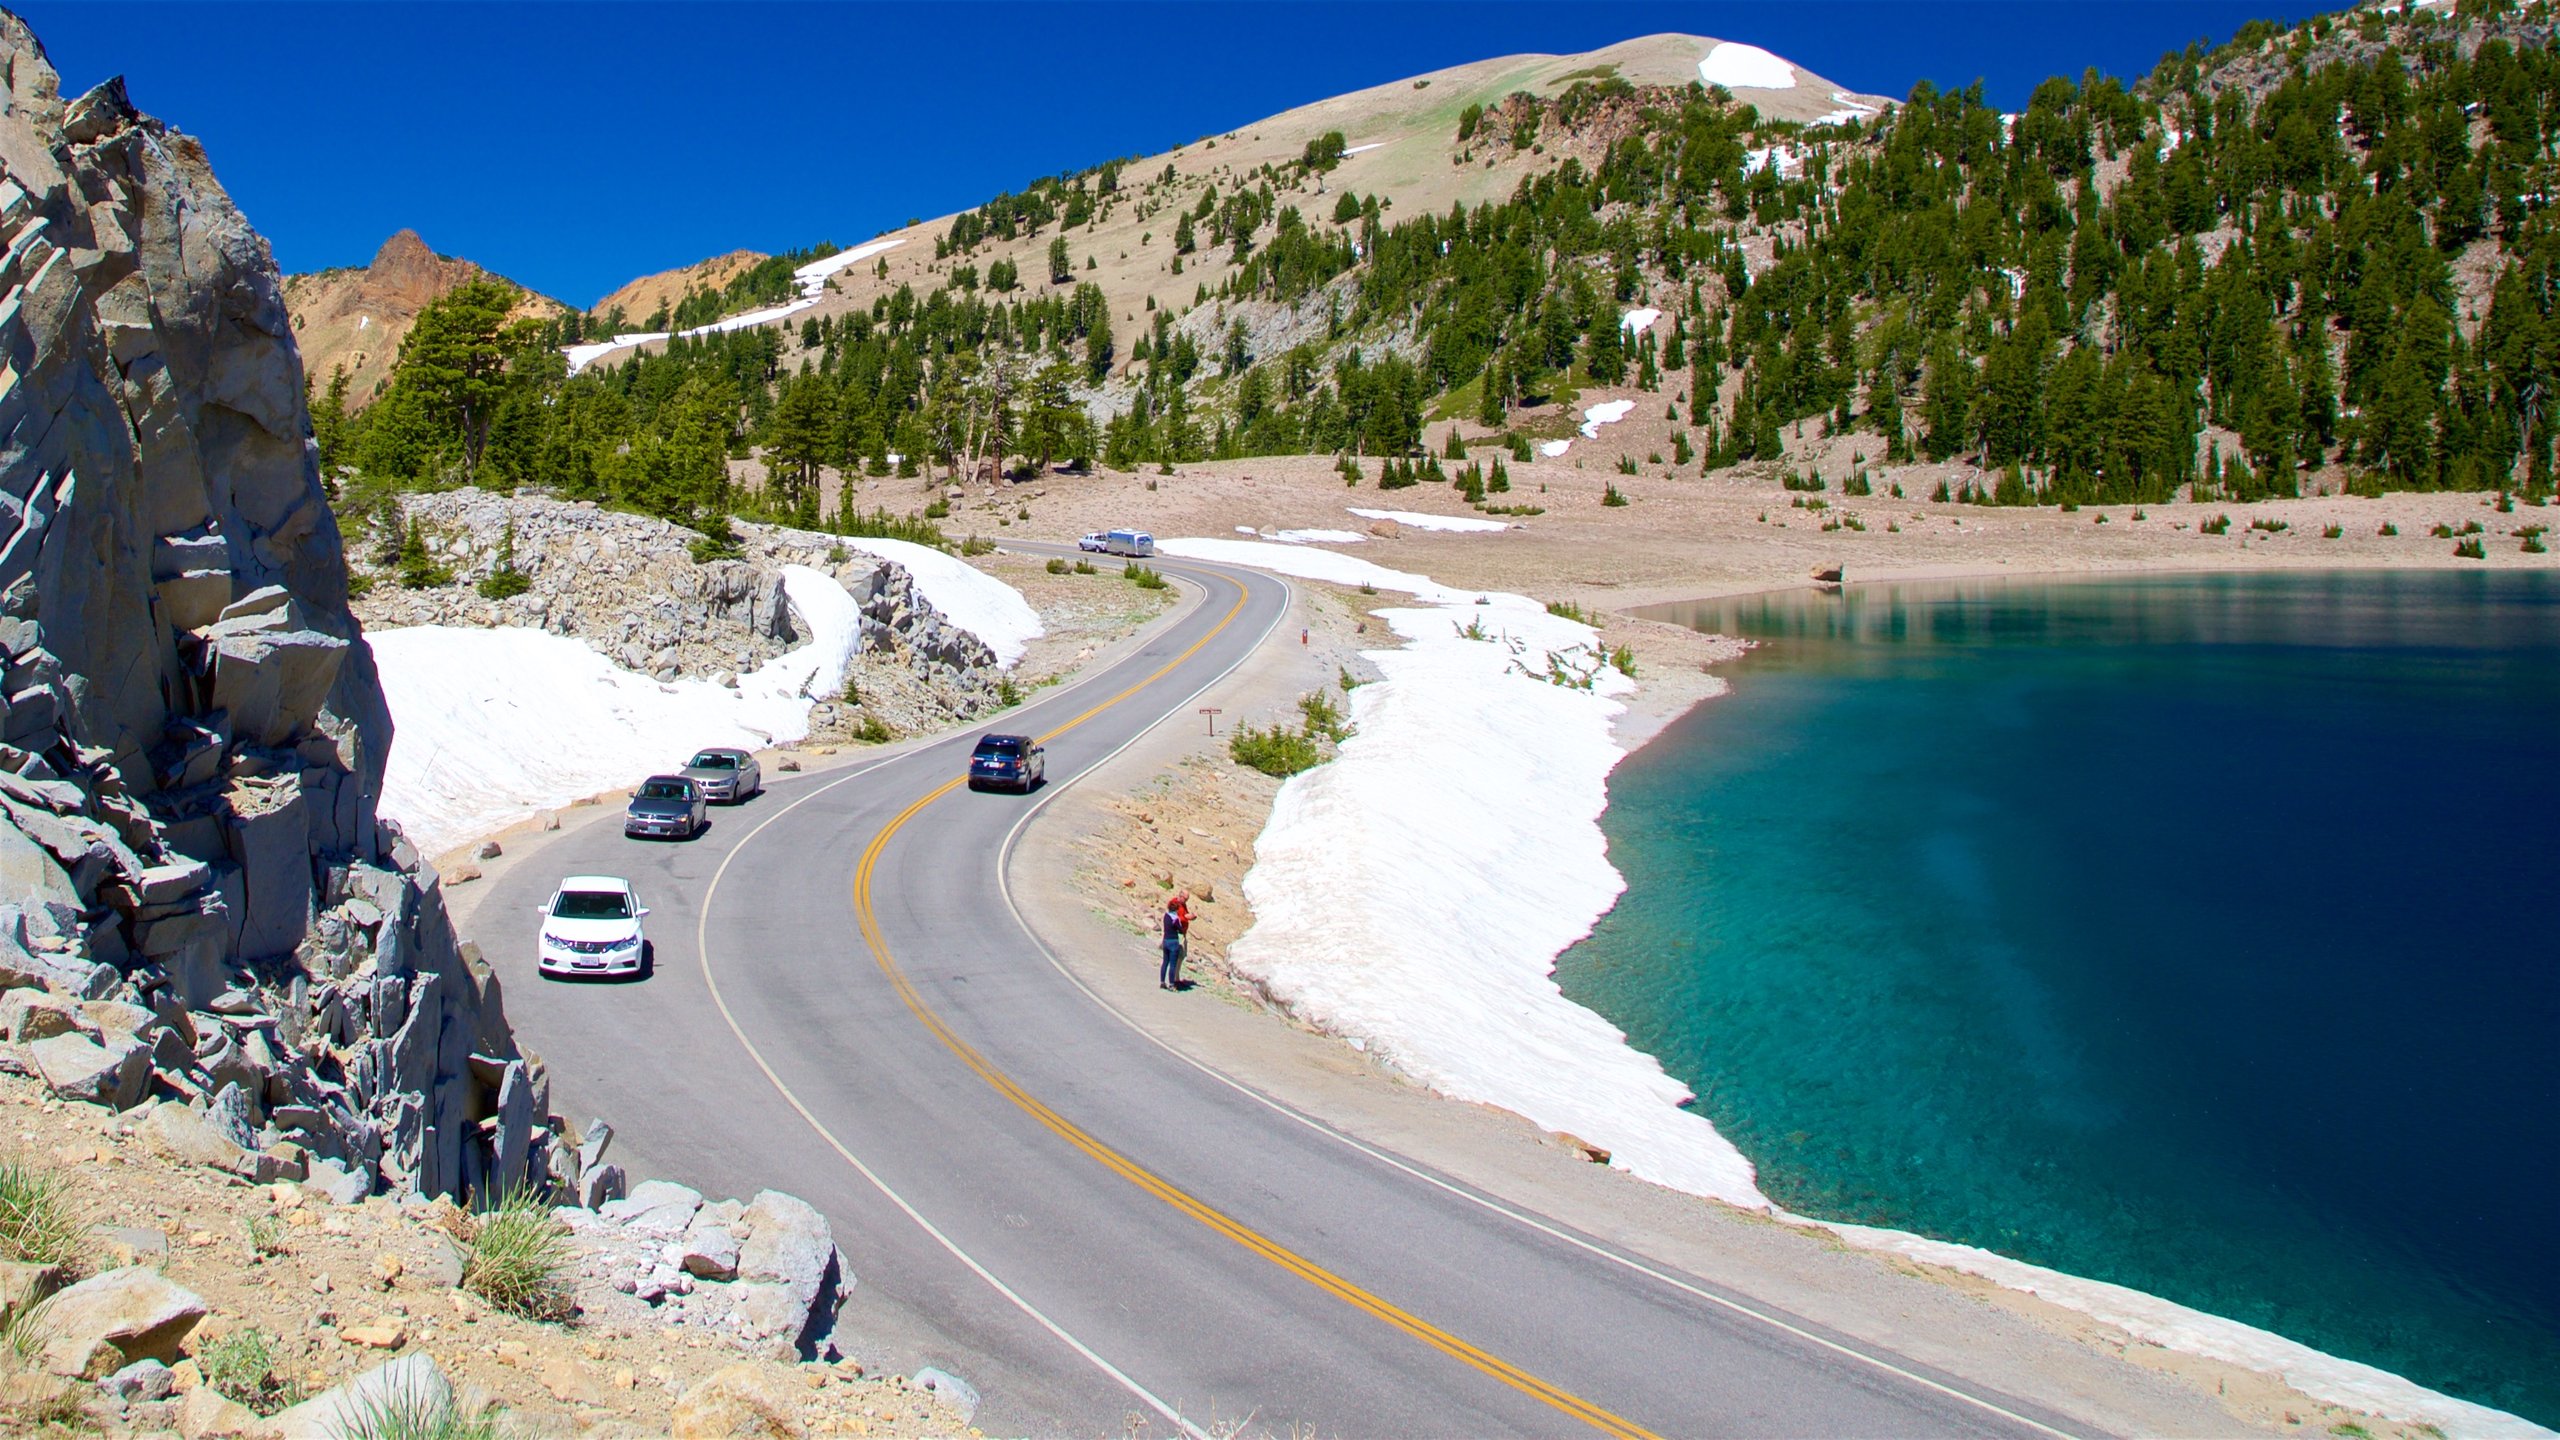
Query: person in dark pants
{"x":1175,"y":927}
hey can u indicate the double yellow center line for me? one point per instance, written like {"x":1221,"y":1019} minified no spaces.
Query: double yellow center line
{"x":1173,"y":1195}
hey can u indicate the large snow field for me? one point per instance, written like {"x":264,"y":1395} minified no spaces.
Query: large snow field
{"x":1417,"y":520}
{"x":1738,"y":66}
{"x":490,"y":726}
{"x":1639,"y":320}
{"x":967,"y":596}
{"x":1319,"y":537}
{"x":1413,"y":893}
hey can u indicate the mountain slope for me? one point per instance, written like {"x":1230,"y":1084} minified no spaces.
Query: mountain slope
{"x":639,"y":299}
{"x":354,"y":319}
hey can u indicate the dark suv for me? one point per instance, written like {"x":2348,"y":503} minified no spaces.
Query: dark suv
{"x":1016,"y":761}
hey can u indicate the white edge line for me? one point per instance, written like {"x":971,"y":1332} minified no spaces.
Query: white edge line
{"x":702,"y":953}
{"x":1004,"y":886}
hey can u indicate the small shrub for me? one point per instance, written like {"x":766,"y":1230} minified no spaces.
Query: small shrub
{"x":1274,"y":751}
{"x":2532,"y":540}
{"x":836,"y":555}
{"x":2388,"y":529}
{"x":1613,"y":496}
{"x":1625,"y":661}
{"x":939,"y":509}
{"x":519,"y":1259}
{"x":719,"y":542}
{"x":2469,"y":548}
{"x":420,"y":570}
{"x":873,"y":731}
{"x":505,"y":581}
{"x":1008,"y":694}
{"x":42,"y":1219}
{"x":1627,"y":465}
{"x":1142,"y":577}
{"x":1348,"y":682}
{"x":2332,"y":532}
{"x":2272,"y":527}
{"x":1057,"y":566}
{"x":2442,"y":532}
{"x":1568,"y":610}
{"x":1322,"y":716}
{"x":977,"y":546}
{"x":1085,"y":567}
{"x":2218,"y":525}
{"x":241,"y":1366}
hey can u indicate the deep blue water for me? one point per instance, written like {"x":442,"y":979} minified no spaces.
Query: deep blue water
{"x":2193,"y":933}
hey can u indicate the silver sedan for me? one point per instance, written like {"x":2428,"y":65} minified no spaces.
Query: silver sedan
{"x":725,"y":775}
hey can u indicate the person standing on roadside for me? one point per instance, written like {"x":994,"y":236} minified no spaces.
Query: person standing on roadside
{"x":1175,"y":925}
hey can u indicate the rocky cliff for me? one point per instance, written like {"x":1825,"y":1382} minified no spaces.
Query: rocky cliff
{"x":197,"y":901}
{"x":355,"y":319}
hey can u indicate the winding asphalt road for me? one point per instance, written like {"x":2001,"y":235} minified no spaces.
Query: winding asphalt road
{"x":1099,"y":1234}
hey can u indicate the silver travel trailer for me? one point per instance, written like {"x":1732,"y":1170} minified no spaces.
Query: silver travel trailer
{"x":1128,"y":542}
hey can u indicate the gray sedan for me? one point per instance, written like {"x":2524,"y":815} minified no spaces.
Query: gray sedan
{"x":725,"y":775}
{"x":665,"y":805}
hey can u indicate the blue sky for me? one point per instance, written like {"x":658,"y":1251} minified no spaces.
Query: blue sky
{"x":572,"y":147}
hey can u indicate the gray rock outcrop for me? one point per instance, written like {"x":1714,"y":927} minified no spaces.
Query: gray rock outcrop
{"x":629,"y":587}
{"x":192,"y":735}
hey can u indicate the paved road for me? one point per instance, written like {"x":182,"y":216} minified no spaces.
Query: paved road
{"x":1098,"y":1235}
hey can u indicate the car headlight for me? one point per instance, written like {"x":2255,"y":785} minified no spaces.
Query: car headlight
{"x":628,"y":943}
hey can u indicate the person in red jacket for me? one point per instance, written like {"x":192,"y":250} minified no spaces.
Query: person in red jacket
{"x":1175,"y":925}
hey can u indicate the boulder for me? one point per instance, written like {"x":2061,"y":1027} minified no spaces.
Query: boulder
{"x":172,"y":1130}
{"x":655,"y":1207}
{"x":741,"y":1402}
{"x":138,"y":1311}
{"x":405,"y":1396}
{"x":949,"y":1388}
{"x":785,"y":1267}
{"x":23,"y":1284}
{"x":75,"y":1067}
{"x":208,"y":1414}
{"x":711,"y":1252}
{"x":27,"y":1016}
{"x":143,"y":1380}
{"x":599,"y":1185}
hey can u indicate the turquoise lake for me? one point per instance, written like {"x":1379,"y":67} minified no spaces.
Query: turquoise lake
{"x":2194,"y":933}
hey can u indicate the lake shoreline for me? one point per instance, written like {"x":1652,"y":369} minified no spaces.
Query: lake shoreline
{"x":2146,"y":1317}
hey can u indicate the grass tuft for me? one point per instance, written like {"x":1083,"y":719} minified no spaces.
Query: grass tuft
{"x":518,"y":1258}
{"x":42,"y":1220}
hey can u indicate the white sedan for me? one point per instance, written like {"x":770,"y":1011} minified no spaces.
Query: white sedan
{"x":591,"y":926}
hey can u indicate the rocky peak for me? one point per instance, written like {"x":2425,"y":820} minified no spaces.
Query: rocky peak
{"x":406,"y":273}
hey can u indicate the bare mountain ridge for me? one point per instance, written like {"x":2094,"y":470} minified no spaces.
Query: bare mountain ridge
{"x":1401,"y":135}
{"x":1401,"y":145}
{"x":355,"y":317}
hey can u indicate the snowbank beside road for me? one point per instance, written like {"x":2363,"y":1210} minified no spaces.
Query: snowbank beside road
{"x":489,"y":726}
{"x":967,"y":597}
{"x":1415,"y":892}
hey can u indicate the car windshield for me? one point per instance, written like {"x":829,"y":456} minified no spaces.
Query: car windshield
{"x":592,"y":905}
{"x":714,"y":760}
{"x":664,"y":790}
